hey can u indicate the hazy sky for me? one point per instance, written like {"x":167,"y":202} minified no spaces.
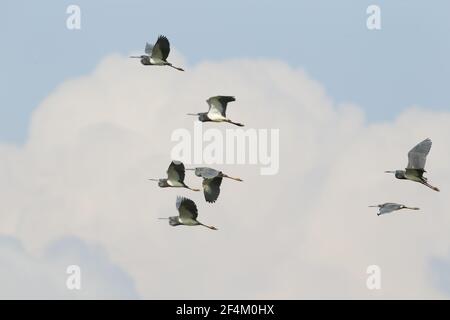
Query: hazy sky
{"x":82,"y":127}
{"x":406,"y":63}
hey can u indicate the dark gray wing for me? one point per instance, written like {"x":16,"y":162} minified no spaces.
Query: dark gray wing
{"x":175,"y":172}
{"x":206,"y":172}
{"x":211,"y":189}
{"x":148,"y":49}
{"x":161,"y":49}
{"x":417,"y":157}
{"x":186,"y":208}
{"x":389,"y":207}
{"x":218,"y":104}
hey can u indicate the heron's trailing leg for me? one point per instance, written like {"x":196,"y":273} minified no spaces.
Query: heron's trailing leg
{"x":430,"y":186}
{"x":235,"y":123}
{"x":209,"y":227}
{"x":237,"y":179}
{"x":179,"y":69}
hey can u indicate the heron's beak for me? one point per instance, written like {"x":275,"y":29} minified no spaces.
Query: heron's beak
{"x":192,"y":114}
{"x":190,"y":169}
{"x":153,"y":179}
{"x":373,"y":206}
{"x":389,"y":172}
{"x":134,"y":57}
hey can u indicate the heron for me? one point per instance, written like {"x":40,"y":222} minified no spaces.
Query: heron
{"x":212,"y":179}
{"x":415,"y":169}
{"x":175,"y":177}
{"x":187,"y":214}
{"x":156,"y":55}
{"x":389,"y":207}
{"x":217,"y":110}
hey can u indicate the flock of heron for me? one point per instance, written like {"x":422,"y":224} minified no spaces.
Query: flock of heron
{"x":212,"y":179}
{"x":414,"y":171}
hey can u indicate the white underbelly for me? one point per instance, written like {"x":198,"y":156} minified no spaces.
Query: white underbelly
{"x":189,"y":222}
{"x":157,"y":61}
{"x":216,"y":117}
{"x":175,"y":184}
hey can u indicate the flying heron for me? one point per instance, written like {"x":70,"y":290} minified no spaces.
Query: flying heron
{"x":390,"y":207}
{"x":212,"y":179}
{"x":187,"y":214}
{"x":175,"y":177}
{"x":417,"y":157}
{"x":217,"y":110}
{"x":157,"y":54}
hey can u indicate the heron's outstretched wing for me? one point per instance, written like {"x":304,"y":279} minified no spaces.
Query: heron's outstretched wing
{"x":186,"y":208}
{"x":148,"y":48}
{"x":211,"y":188}
{"x":417,"y":157}
{"x":389,"y":207}
{"x":218,"y":104}
{"x":175,"y":171}
{"x":161,"y":49}
{"x":206,"y":172}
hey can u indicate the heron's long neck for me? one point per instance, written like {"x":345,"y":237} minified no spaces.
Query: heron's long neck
{"x":145,"y":60}
{"x":400,"y":174}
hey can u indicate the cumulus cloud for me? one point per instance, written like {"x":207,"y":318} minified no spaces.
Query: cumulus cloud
{"x":303,"y":233}
{"x":26,"y":276}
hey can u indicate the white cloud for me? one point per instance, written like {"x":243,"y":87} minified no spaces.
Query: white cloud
{"x":306,"y":232}
{"x":25,"y":276}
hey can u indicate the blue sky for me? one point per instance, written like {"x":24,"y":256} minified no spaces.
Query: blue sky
{"x":406,"y":63}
